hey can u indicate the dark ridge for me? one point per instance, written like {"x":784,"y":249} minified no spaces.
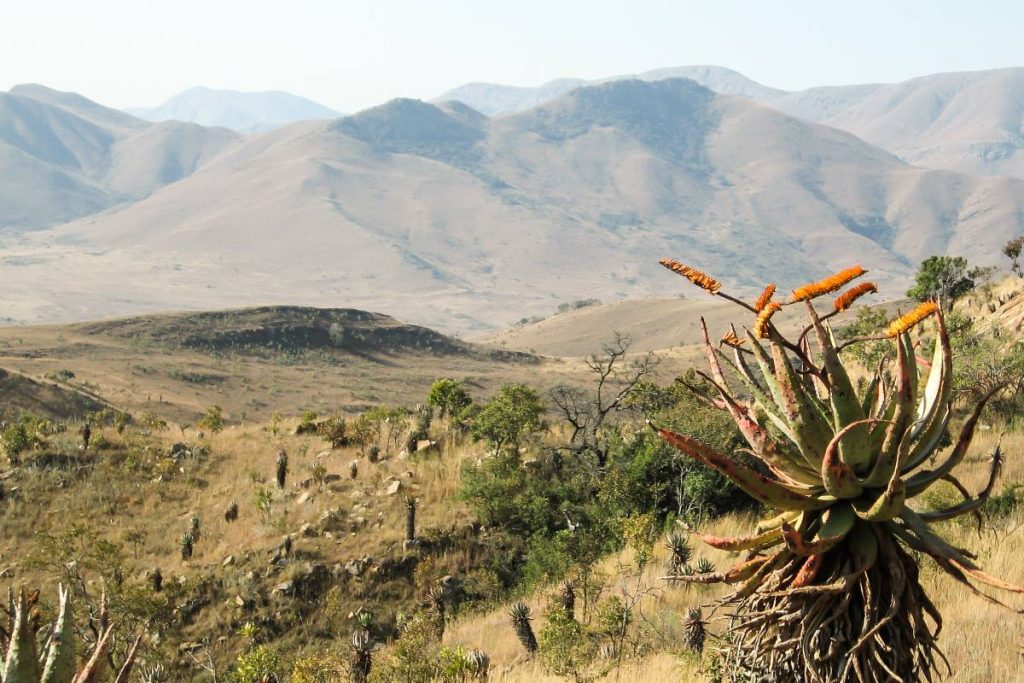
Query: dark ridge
{"x":672,"y":117}
{"x":404,"y":126}
{"x":293,"y":330}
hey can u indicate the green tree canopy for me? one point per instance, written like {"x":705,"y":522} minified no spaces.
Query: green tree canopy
{"x":449,"y":396}
{"x":945,"y":279}
{"x":509,"y":417}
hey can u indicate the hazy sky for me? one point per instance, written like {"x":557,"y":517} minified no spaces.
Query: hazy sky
{"x":350,"y":54}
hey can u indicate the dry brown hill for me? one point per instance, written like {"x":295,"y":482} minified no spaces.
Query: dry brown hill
{"x":459,"y":222}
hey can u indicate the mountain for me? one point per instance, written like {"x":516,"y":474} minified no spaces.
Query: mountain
{"x":447,"y":218}
{"x":970,"y":121}
{"x":244,"y":112}
{"x":63,"y":156}
{"x":493,"y":99}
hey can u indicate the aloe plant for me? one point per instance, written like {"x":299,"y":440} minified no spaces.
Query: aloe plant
{"x":828,"y":588}
{"x":22,"y":663}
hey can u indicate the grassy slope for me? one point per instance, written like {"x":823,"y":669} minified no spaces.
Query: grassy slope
{"x":118,"y":494}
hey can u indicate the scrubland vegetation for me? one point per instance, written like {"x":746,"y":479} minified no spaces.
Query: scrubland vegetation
{"x":538,"y":533}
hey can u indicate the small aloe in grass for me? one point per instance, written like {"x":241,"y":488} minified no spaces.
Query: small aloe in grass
{"x":828,"y":589}
{"x":22,"y":663}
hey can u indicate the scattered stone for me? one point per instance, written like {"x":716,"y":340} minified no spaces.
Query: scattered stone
{"x":285,"y":588}
{"x":393,"y":488}
{"x":308,"y":531}
{"x":228,"y":561}
{"x":306,"y":497}
{"x":425,"y":445}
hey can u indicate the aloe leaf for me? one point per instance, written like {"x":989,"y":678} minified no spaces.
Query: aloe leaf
{"x":22,"y":665}
{"x":759,"y":487}
{"x":60,"y":652}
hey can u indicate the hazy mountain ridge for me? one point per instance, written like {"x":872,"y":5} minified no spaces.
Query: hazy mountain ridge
{"x":448,"y":219}
{"x":244,"y":112}
{"x":970,"y":122}
{"x":494,"y":99}
{"x":64,"y":156}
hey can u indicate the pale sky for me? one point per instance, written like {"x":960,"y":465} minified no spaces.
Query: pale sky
{"x":351,"y":54}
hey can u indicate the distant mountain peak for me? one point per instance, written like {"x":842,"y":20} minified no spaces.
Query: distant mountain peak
{"x":245,"y":112}
{"x":494,"y":99}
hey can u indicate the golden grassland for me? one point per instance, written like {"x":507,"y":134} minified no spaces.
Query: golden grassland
{"x":981,"y":640}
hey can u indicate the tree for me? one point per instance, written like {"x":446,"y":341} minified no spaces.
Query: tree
{"x":509,"y":417}
{"x":1012,"y":251}
{"x":449,"y":396}
{"x":213,"y":420}
{"x":614,"y":380}
{"x":945,"y":279}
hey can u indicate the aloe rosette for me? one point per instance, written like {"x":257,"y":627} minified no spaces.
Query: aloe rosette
{"x":828,"y":589}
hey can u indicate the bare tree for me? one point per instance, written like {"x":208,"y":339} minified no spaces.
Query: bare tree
{"x":587,"y":413}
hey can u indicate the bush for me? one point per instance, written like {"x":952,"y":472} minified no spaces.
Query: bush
{"x":254,"y":666}
{"x":213,"y":420}
{"x":449,"y":396}
{"x":508,"y":418}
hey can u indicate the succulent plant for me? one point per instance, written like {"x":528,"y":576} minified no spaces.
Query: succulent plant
{"x":353,"y":469}
{"x":156,"y":579}
{"x":696,"y":631}
{"x":520,"y":616}
{"x":479,"y":664}
{"x":231,"y":512}
{"x":829,"y":589}
{"x":281,"y":465}
{"x":194,"y":527}
{"x":567,"y":594}
{"x":679,"y":552}
{"x":410,"y":518}
{"x":187,"y":545}
{"x":362,"y":655}
{"x":22,"y":663}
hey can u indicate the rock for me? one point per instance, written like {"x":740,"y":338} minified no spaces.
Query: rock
{"x":425,"y":445}
{"x":409,"y":474}
{"x":7,"y":572}
{"x":357,"y":523}
{"x":408,"y":545}
{"x":323,"y":454}
{"x":190,"y":646}
{"x":331,"y":478}
{"x":285,"y":588}
{"x":308,"y":531}
{"x":306,"y":497}
{"x":531,"y":463}
{"x":359,"y":566}
{"x":228,"y":561}
{"x":356,"y":493}
{"x":306,"y":483}
{"x":393,"y":488}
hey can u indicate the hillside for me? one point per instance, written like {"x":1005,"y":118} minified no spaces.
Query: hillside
{"x":244,"y":112}
{"x":63,"y":156}
{"x":969,"y":122}
{"x":251,"y":362}
{"x":456,"y":221}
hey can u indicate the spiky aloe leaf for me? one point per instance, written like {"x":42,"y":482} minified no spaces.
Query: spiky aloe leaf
{"x":809,"y":427}
{"x":839,"y":477}
{"x":919,"y":482}
{"x":756,"y":485}
{"x":836,"y":522}
{"x":846,"y":407}
{"x":933,"y":411}
{"x":762,"y":540}
{"x":22,"y":663}
{"x":60,"y":652}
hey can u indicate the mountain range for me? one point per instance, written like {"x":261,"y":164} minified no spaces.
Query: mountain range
{"x":243,"y":112}
{"x":441,"y":215}
{"x":972,"y":122}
